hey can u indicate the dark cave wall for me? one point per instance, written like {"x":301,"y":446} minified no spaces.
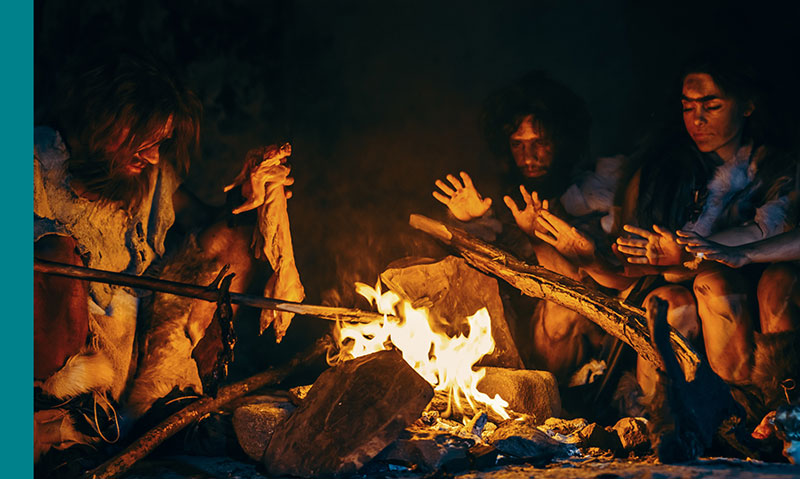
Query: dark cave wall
{"x":381,"y":98}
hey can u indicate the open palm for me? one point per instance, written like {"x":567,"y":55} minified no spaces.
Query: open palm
{"x":462,"y":199}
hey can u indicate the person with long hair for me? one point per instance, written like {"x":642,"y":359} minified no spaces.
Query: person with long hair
{"x":107,"y":176}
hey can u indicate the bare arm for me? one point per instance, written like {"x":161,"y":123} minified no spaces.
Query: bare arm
{"x":60,"y":308}
{"x":782,"y":247}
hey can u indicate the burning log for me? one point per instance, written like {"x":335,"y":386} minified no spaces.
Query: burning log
{"x":618,"y":319}
{"x":353,"y":411}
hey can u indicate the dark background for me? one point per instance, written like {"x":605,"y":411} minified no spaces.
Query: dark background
{"x":381,"y":98}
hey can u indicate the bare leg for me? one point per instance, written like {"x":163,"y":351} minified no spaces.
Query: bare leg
{"x":563,"y":340}
{"x":727,"y":326}
{"x":681,"y":315}
{"x":179,"y":325}
{"x":779,"y":298}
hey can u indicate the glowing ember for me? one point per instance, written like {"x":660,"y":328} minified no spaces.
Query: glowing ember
{"x":445,"y":362}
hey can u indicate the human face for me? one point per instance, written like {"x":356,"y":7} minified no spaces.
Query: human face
{"x":147,"y":153}
{"x":713,"y":120}
{"x":531,"y":148}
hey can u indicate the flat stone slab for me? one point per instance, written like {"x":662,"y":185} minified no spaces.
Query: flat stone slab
{"x":352,"y":412}
{"x":453,"y":291}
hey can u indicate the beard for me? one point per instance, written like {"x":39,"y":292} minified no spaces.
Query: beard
{"x":112,"y":184}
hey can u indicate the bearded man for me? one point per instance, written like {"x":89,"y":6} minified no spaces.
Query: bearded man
{"x":106,"y":192}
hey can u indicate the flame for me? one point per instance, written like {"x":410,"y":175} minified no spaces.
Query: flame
{"x":445,"y":362}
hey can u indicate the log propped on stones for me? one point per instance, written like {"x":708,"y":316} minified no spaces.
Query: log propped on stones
{"x":617,"y":318}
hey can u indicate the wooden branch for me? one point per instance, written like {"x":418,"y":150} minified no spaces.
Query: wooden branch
{"x":205,"y":293}
{"x":618,"y":319}
{"x":143,"y":446}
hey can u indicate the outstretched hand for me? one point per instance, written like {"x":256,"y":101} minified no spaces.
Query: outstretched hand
{"x":656,"y":248}
{"x":264,"y":170}
{"x":706,"y":249}
{"x":525,"y":218}
{"x":568,"y":240}
{"x":463,"y":200}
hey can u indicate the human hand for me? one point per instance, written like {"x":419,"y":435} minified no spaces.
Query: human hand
{"x":264,"y":170}
{"x":656,"y":248}
{"x":464,"y":201}
{"x":525,"y":218}
{"x":568,"y":240}
{"x":704,"y":248}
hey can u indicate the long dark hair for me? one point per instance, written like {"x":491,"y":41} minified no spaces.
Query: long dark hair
{"x":673,"y":172}
{"x":123,"y":102}
{"x":560,"y":112}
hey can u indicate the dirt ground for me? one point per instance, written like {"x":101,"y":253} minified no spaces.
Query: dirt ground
{"x":188,"y":467}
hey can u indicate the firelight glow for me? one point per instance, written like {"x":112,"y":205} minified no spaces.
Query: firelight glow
{"x":445,"y":362}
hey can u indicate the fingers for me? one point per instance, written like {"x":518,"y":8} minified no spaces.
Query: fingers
{"x":552,"y":219}
{"x":249,"y":205}
{"x":689,"y":238}
{"x":512,"y":205}
{"x":545,"y":204}
{"x":454,"y":181}
{"x":638,"y":231}
{"x":637,"y":260}
{"x":441,"y":198}
{"x":549,"y":239}
{"x":544,"y":224}
{"x":633,"y":242}
{"x":445,"y":189}
{"x":663,"y":232}
{"x":466,"y":179}
{"x":631,"y":251}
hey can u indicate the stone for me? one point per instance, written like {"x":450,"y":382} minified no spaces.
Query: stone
{"x":534,"y":393}
{"x":523,"y":440}
{"x":595,"y":435}
{"x":633,"y":435}
{"x":256,"y":423}
{"x":482,"y":456}
{"x":353,"y":411}
{"x":428,"y":450}
{"x":298,"y":394}
{"x":453,"y":291}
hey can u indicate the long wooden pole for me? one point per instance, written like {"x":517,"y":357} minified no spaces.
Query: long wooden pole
{"x":615,"y":317}
{"x":204,"y":293}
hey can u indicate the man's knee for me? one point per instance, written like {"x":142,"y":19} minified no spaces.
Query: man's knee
{"x":718,"y":282}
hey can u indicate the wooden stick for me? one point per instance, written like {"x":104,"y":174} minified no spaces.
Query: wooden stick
{"x":618,"y":319}
{"x":143,"y":446}
{"x":201,"y":292}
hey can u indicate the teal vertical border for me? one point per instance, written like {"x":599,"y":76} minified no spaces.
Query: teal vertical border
{"x":16,"y":85}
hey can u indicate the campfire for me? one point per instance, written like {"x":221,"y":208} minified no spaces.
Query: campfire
{"x":432,"y":382}
{"x":445,"y":362}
